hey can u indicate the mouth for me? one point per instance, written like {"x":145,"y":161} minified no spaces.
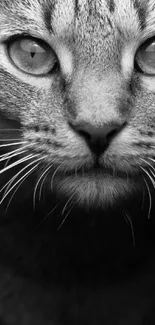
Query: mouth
{"x":97,"y":171}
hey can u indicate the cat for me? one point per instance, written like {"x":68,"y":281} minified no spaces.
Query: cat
{"x":77,"y":162}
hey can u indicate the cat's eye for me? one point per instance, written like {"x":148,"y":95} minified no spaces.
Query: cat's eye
{"x":145,"y":58}
{"x":32,"y":56}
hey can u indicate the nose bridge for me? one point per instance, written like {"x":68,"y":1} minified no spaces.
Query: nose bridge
{"x":99,"y":116}
{"x":99,"y":101}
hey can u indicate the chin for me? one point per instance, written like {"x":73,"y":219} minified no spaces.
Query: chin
{"x":95,"y":191}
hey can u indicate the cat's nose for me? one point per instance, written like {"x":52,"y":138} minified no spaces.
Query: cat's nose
{"x":98,"y":138}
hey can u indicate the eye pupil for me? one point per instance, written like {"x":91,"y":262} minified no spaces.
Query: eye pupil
{"x":32,"y":54}
{"x":33,"y":51}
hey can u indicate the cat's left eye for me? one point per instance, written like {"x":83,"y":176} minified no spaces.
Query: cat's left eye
{"x":32,"y":56}
{"x":145,"y":58}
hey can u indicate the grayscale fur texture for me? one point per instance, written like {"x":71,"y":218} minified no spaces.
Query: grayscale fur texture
{"x":77,"y":164}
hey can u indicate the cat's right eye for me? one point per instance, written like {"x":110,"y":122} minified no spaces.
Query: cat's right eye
{"x":32,"y":56}
{"x":145,"y":58}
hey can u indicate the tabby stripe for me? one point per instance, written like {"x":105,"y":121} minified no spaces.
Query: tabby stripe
{"x":76,"y":7}
{"x":141,"y":9}
{"x":111,"y":5}
{"x":48,"y":9}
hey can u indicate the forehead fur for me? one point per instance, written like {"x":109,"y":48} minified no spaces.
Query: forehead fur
{"x":63,"y":12}
{"x":94,"y":24}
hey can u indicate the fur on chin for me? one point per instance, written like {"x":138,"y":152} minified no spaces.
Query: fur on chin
{"x":101,"y":192}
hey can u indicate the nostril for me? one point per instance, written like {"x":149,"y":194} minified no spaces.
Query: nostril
{"x":85,"y":135}
{"x":112,"y":134}
{"x":98,"y":135}
{"x":98,"y":138}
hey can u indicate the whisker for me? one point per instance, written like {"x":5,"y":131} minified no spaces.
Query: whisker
{"x":17,"y":163}
{"x":149,"y":164}
{"x":30,"y":172}
{"x":43,"y":180}
{"x":11,"y":156}
{"x":149,"y":176}
{"x":153,"y":160}
{"x":13,"y":139}
{"x":150,"y":198}
{"x":129,"y":221}
{"x":40,"y":178}
{"x":52,"y":179}
{"x":11,"y":144}
{"x":47,"y":215}
{"x":41,"y":186}
{"x":147,"y":186}
{"x":63,"y":221}
{"x":153,"y":174}
{"x":7,"y":162}
{"x":67,"y":203}
{"x":15,"y":176}
{"x":8,"y":158}
{"x":6,"y":194}
{"x":2,"y":189}
{"x":13,"y":187}
{"x":8,"y":184}
{"x":13,"y":151}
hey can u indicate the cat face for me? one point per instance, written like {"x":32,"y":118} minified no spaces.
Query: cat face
{"x":77,"y":93}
